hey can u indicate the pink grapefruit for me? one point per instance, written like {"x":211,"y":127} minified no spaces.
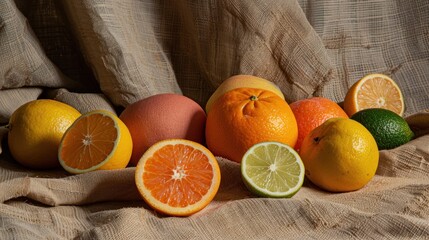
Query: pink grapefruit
{"x":160,"y":117}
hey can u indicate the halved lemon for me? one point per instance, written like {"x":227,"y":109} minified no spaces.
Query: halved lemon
{"x":177,"y":177}
{"x":374,"y":91}
{"x":272,"y":169}
{"x":96,"y":140}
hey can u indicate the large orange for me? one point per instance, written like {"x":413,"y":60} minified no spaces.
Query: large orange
{"x":312,"y":112}
{"x":177,"y":177}
{"x":243,"y":117}
{"x":240,"y":81}
{"x":160,"y":117}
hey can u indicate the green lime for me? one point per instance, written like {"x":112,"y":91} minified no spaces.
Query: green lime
{"x":388,"y":128}
{"x":272,"y":169}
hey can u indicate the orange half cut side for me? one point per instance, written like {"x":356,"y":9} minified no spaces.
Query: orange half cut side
{"x":374,"y":91}
{"x":177,"y":177}
{"x":96,"y":140}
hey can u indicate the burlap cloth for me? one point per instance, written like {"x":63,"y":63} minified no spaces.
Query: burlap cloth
{"x":107,"y":54}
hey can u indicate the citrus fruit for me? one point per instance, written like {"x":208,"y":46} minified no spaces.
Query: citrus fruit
{"x":163,"y":116}
{"x":374,"y":91}
{"x":177,"y":177}
{"x":241,"y":81}
{"x":272,"y":169}
{"x":340,"y":155}
{"x":243,"y":117}
{"x":97,"y":140}
{"x":388,"y":128}
{"x":35,"y":132}
{"x":312,"y":112}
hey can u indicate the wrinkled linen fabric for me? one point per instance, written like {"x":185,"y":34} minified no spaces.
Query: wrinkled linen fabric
{"x":108,"y":54}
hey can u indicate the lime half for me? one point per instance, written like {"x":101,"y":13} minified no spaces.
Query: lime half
{"x":272,"y":169}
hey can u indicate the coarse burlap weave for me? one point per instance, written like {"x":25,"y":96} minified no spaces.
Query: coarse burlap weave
{"x":107,"y":54}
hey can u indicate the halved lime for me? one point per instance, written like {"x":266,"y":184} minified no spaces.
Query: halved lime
{"x":272,"y":169}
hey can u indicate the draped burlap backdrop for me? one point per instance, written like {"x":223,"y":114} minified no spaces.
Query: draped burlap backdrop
{"x":108,"y":54}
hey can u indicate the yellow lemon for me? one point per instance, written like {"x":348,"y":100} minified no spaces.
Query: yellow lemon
{"x":242,"y":81}
{"x":35,"y":132}
{"x":340,"y":155}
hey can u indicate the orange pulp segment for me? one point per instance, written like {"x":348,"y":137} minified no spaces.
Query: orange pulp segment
{"x":96,"y":140}
{"x":177,"y":177}
{"x":374,"y":91}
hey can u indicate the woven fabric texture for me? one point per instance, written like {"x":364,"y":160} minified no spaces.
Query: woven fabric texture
{"x":108,"y":54}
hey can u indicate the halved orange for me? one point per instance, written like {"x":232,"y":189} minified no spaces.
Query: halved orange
{"x":177,"y":177}
{"x":97,"y":140}
{"x":374,"y":91}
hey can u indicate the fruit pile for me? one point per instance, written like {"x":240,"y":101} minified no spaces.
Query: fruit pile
{"x":172,"y":141}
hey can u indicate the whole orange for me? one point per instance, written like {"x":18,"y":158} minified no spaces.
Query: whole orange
{"x":240,"y":81}
{"x":311,"y":113}
{"x":243,"y":117}
{"x":160,"y":117}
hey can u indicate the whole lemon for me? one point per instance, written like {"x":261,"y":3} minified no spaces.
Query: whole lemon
{"x":340,"y":155}
{"x":35,"y":132}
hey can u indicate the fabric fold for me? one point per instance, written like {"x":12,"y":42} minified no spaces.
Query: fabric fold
{"x":133,"y":59}
{"x":23,"y":63}
{"x":56,"y":187}
{"x":83,"y":102}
